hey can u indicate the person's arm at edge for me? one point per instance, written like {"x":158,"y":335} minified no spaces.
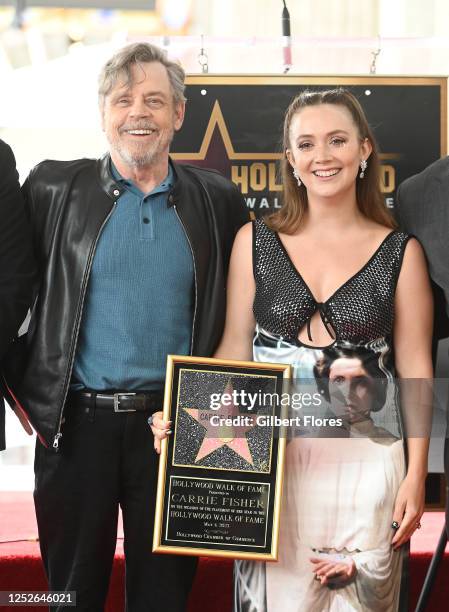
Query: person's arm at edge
{"x":16,"y":257}
{"x":19,"y":273}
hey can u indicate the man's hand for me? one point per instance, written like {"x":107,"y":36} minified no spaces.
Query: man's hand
{"x":161,"y":429}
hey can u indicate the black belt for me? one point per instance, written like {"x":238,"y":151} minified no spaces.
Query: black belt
{"x":148,"y":401}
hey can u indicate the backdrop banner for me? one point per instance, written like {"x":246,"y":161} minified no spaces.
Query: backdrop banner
{"x":234,"y":124}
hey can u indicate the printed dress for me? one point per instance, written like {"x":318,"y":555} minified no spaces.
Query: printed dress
{"x":340,"y":484}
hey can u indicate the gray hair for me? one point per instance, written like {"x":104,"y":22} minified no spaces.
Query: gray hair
{"x":121,"y":63}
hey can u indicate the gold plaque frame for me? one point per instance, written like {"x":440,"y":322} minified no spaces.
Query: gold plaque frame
{"x":259,"y":486}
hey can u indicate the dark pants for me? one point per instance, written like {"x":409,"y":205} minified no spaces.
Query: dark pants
{"x":105,"y":459}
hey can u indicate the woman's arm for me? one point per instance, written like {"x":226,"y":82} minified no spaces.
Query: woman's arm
{"x":236,"y":342}
{"x":412,"y":345}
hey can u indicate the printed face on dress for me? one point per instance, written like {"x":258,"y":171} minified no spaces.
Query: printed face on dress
{"x":351,"y":389}
{"x":139,"y":119}
{"x":326,"y":149}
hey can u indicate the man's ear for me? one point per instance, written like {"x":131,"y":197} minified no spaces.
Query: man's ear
{"x":180,"y":109}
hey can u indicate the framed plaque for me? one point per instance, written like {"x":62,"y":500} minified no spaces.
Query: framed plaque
{"x":220,"y":471}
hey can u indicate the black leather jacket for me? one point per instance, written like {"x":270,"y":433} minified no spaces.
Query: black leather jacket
{"x":69,"y":203}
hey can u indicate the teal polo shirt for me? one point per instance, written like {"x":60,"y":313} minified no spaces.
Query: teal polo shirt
{"x":140,"y":297}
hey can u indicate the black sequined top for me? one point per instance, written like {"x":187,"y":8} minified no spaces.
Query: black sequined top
{"x":359,"y":311}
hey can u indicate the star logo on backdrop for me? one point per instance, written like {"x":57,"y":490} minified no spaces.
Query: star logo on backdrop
{"x":217,"y":436}
{"x":217,"y":150}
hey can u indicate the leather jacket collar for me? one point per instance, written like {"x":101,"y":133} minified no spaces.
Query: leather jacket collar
{"x":108,"y":183}
{"x":114,"y":189}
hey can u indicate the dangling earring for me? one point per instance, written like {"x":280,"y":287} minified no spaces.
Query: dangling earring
{"x":296,"y":175}
{"x":363,"y":167}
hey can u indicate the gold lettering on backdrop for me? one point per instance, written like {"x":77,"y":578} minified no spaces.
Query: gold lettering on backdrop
{"x":258,"y":177}
{"x":387,"y":178}
{"x":272,"y":185}
{"x":261,"y":176}
{"x":239,"y":176}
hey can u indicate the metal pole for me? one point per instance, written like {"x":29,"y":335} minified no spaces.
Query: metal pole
{"x":17,"y":21}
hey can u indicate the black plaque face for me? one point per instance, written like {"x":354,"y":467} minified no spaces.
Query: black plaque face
{"x":220,"y":472}
{"x":234,"y":513}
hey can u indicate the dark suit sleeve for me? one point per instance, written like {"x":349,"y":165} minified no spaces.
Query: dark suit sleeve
{"x":16,"y":259}
{"x":17,"y":268}
{"x":397,"y":205}
{"x":410,"y":198}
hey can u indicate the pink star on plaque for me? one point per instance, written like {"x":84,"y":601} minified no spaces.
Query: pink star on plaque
{"x":232,"y":436}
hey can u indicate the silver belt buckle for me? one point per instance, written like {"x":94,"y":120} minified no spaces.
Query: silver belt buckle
{"x":117,"y":398}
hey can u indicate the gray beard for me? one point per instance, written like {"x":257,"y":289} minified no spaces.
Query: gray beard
{"x":143,"y":158}
{"x":136,"y":160}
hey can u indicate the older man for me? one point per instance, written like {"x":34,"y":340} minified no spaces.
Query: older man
{"x":134,"y":251}
{"x":16,"y":263}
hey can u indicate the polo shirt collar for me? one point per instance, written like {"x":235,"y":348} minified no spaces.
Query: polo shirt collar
{"x":164,"y":186}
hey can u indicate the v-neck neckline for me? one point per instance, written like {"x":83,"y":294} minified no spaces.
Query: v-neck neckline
{"x":341,"y":287}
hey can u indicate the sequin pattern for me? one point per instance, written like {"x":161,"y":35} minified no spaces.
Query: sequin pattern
{"x":361,"y":310}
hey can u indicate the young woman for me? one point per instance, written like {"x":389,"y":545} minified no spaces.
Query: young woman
{"x":330,"y":270}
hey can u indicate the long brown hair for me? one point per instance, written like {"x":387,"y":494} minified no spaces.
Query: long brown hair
{"x":370,"y":201}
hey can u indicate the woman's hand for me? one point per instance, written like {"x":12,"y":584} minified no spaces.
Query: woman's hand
{"x":161,"y":429}
{"x":408,"y":509}
{"x":334,"y":571}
